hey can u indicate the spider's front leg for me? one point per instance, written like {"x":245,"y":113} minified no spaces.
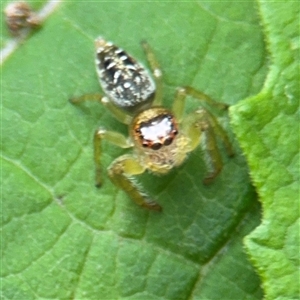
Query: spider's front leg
{"x":114,"y":138}
{"x":203,"y":122}
{"x":122,"y":169}
{"x":121,"y":172}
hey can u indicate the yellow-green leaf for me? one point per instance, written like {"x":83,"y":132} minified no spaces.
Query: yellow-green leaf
{"x":267,"y":127}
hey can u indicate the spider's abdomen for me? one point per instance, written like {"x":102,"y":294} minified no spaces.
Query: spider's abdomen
{"x":125,"y":81}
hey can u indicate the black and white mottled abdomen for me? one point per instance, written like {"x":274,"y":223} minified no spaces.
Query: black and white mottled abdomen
{"x":124,"y":80}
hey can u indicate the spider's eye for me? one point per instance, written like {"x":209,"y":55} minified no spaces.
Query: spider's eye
{"x":168,"y":141}
{"x":156,"y":146}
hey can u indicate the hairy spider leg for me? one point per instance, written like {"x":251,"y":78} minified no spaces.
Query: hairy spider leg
{"x":119,"y":114}
{"x":156,"y":72}
{"x":183,"y":92}
{"x":114,"y":138}
{"x":202,"y":121}
{"x":121,"y":171}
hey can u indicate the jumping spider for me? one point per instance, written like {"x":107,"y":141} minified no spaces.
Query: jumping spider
{"x":161,"y":138}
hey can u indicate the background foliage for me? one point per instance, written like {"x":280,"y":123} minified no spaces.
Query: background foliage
{"x":63,"y":238}
{"x":267,"y":127}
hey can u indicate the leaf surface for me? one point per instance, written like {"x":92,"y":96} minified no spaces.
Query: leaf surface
{"x":267,"y":127}
{"x":62,"y":237}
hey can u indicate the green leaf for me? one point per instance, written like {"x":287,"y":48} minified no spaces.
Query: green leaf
{"x":61,"y":237}
{"x":267,"y":127}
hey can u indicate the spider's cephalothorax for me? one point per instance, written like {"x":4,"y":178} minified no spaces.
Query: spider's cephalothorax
{"x":154,"y":128}
{"x":157,"y":140}
{"x":160,"y":138}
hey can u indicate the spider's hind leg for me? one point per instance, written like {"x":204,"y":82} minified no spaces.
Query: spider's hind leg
{"x":156,"y":72}
{"x":120,"y":115}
